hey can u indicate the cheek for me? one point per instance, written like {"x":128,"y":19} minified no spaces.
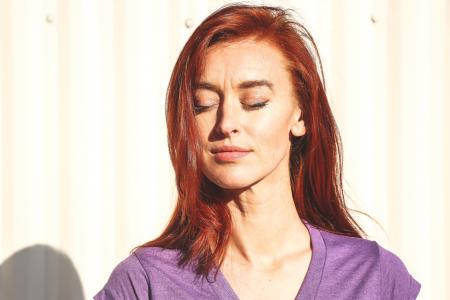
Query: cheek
{"x":204,"y":128}
{"x":272,"y":138}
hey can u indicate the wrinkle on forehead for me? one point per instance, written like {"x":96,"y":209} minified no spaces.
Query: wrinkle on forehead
{"x":232,"y":68}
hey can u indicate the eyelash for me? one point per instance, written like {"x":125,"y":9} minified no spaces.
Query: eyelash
{"x":256,"y":106}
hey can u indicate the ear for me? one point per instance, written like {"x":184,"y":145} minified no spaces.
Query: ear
{"x":298,"y":129}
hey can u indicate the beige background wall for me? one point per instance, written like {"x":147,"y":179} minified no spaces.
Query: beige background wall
{"x":84,"y":169}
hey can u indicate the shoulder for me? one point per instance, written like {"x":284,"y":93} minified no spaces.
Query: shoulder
{"x":130,"y":276}
{"x":370,"y":261}
{"x":396,"y":282}
{"x":353,"y":248}
{"x":155,"y":273}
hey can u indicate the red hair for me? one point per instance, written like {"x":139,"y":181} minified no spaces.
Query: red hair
{"x":200,"y":226}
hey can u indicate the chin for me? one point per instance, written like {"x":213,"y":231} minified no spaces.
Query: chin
{"x":228,"y":182}
{"x":232,"y":177}
{"x":231,"y":185}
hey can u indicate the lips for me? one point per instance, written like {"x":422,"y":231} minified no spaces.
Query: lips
{"x":229,"y":153}
{"x":229,"y":149}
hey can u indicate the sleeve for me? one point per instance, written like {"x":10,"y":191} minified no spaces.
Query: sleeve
{"x":396,"y":282}
{"x":127,"y":281}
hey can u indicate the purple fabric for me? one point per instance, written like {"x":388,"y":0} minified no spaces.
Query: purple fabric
{"x":341,"y":268}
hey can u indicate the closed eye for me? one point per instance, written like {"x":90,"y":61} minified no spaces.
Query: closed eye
{"x":202,"y":108}
{"x":255,"y":106}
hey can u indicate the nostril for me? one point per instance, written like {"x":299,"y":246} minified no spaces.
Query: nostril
{"x":226,"y":128}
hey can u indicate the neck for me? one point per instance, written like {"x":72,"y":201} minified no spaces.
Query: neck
{"x":266,"y":225}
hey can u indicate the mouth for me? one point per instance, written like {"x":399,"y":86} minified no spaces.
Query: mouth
{"x":229,"y":153}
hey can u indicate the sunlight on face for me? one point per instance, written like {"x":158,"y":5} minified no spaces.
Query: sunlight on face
{"x":245,"y":98}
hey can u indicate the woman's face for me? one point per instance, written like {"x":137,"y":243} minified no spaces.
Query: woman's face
{"x":244,"y":98}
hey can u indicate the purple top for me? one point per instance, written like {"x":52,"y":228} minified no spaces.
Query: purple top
{"x":341,"y":267}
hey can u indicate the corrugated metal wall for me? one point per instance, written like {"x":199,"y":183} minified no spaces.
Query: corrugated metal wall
{"x":84,"y":169}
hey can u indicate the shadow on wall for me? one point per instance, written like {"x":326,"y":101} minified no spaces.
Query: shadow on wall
{"x":39,"y":272}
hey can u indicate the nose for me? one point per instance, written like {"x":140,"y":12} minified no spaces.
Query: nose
{"x":228,"y":123}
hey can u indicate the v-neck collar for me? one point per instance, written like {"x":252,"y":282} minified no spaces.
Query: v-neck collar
{"x":310,"y":285}
{"x":313,"y":277}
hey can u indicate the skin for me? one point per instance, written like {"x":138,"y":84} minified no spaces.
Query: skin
{"x":269,"y":251}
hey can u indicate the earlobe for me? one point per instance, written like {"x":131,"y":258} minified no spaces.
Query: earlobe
{"x":298,"y":129}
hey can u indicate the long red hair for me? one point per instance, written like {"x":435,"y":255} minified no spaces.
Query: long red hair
{"x":200,"y":226}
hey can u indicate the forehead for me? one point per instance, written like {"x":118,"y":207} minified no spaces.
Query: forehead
{"x":244,"y":60}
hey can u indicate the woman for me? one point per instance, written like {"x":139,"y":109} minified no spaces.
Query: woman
{"x":257,"y":157}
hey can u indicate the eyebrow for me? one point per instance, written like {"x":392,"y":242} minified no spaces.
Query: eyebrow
{"x":255,"y":83}
{"x":248,"y":84}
